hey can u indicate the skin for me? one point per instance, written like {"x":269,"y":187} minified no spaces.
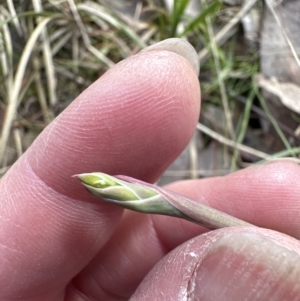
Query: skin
{"x":57,"y":242}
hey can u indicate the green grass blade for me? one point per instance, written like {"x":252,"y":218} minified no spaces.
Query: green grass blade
{"x":210,"y":10}
{"x":274,"y":122}
{"x":243,"y":129}
{"x":177,"y":14}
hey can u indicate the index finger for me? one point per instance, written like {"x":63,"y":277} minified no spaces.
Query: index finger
{"x":134,"y":120}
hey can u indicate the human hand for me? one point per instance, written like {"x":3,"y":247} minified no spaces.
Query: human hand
{"x":60,"y":243}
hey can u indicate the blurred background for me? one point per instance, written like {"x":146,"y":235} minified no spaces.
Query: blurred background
{"x":50,"y":51}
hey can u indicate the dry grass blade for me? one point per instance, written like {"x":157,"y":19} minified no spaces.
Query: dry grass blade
{"x":224,"y":97}
{"x":97,"y":10}
{"x":13,"y":97}
{"x":231,"y":143}
{"x":6,"y":56}
{"x":283,"y":31}
{"x":48,"y":116}
{"x":65,"y":36}
{"x":15,"y":19}
{"x":18,"y":142}
{"x":48,"y":57}
{"x":194,"y":157}
{"x":228,"y":30}
{"x":85,"y":36}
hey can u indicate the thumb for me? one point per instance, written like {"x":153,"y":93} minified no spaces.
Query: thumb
{"x":230,"y":264}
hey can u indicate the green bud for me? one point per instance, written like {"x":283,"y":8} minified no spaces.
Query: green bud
{"x":139,"y":196}
{"x":107,"y":187}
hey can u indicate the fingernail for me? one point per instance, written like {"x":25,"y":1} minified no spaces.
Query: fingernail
{"x":178,"y":46}
{"x":247,"y":266}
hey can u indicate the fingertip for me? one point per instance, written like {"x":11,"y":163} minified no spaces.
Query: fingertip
{"x":179,"y":46}
{"x":135,"y":120}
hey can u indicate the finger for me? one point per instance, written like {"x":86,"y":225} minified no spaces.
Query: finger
{"x":134,"y":120}
{"x":265,"y":195}
{"x":229,"y":264}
